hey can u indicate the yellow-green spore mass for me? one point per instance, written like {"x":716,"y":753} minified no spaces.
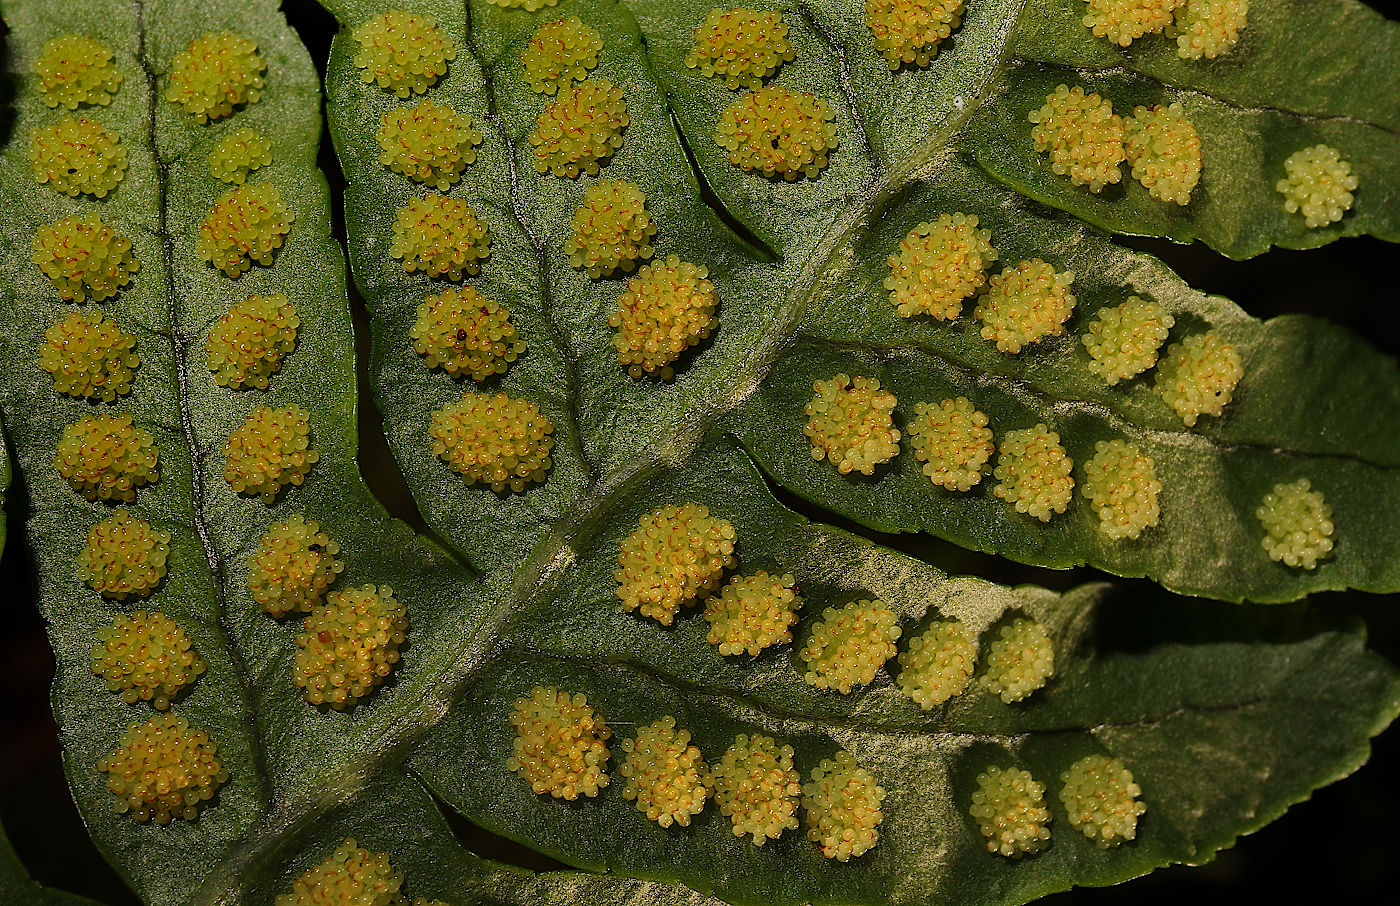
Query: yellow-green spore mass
{"x":777,"y":132}
{"x":1164,"y":149}
{"x":529,"y":6}
{"x":84,"y":258}
{"x":1020,"y":660}
{"x":842,"y":802}
{"x":245,"y":225}
{"x":351,"y":876}
{"x":495,"y":440}
{"x":753,"y":612}
{"x":429,"y":143}
{"x":908,"y":32}
{"x":560,"y":53}
{"x":1318,"y":185}
{"x":106,"y":457}
{"x":850,"y":644}
{"x":77,"y":157}
{"x":1208,"y":28}
{"x":1124,"y":21}
{"x":238,"y":154}
{"x":163,"y":769}
{"x":1082,"y":135}
{"x":757,"y":787}
{"x":1009,"y":805}
{"x":1123,"y":340}
{"x":676,"y":556}
{"x":402,"y":52}
{"x":74,"y":70}
{"x":269,"y":451}
{"x":248,"y":344}
{"x":1033,"y":472}
{"x":1025,"y":304}
{"x":849,"y":422}
{"x":1101,"y":799}
{"x":665,"y":774}
{"x":580,"y":130}
{"x":465,"y":334}
{"x":216,"y":73}
{"x":145,"y":657}
{"x":665,"y":310}
{"x":561,"y":744}
{"x":611,"y":230}
{"x":124,"y":556}
{"x":952,"y":440}
{"x":938,"y":266}
{"x":740,"y":47}
{"x":1297,"y":523}
{"x":440,"y":236}
{"x":938,"y":663}
{"x":349,"y":645}
{"x":1122,"y":486}
{"x":89,"y":356}
{"x":293,"y":566}
{"x":1198,"y":376}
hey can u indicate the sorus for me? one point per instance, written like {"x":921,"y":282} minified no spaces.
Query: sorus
{"x":123,"y":556}
{"x":248,"y":344}
{"x":757,"y":787}
{"x":214,"y":74}
{"x":842,"y":802}
{"x":559,"y":53}
{"x":1198,"y":376}
{"x":1298,"y":524}
{"x":908,"y":32}
{"x":953,"y":441}
{"x":106,"y":457}
{"x":1164,"y":150}
{"x":1208,"y":28}
{"x":294,"y":565}
{"x":1122,"y":486}
{"x":351,"y":876}
{"x":164,"y":769}
{"x":778,"y":132}
{"x":850,"y":644}
{"x":465,"y":334}
{"x":1124,"y":21}
{"x":76,"y":69}
{"x":574,"y":134}
{"x":1101,"y":798}
{"x":1033,"y":472}
{"x":145,"y":657}
{"x":1123,"y":341}
{"x":349,"y":645}
{"x":402,"y":52}
{"x":611,"y":230}
{"x":1009,"y":805}
{"x":1319,"y":185}
{"x":849,"y":422}
{"x":270,"y":450}
{"x":1020,"y":660}
{"x":741,"y":47}
{"x":245,"y":225}
{"x":238,"y":154}
{"x":753,"y":612}
{"x":939,"y":265}
{"x":440,"y":236}
{"x":429,"y":143}
{"x":665,"y":773}
{"x":1025,"y":304}
{"x":84,"y":258}
{"x":89,"y":356}
{"x":494,"y":440}
{"x":561,"y":744}
{"x":1082,"y":135}
{"x":77,"y":156}
{"x":666,"y":309}
{"x":677,"y":555}
{"x":938,"y":663}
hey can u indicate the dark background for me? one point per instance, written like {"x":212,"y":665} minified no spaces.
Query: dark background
{"x":1342,"y":841}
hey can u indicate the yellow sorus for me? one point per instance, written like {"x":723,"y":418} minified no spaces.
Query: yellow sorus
{"x":1198,"y":376}
{"x":84,"y":258}
{"x":1124,"y":21}
{"x":89,"y":357}
{"x":402,"y":52}
{"x":843,"y":808}
{"x":1009,"y":806}
{"x":676,"y":555}
{"x":77,"y":156}
{"x":494,"y":440}
{"x":1082,"y":135}
{"x":529,"y":6}
{"x":953,"y":441}
{"x":247,"y":345}
{"x":1298,"y":523}
{"x":612,"y":229}
{"x":438,"y":236}
{"x":938,"y":663}
{"x":850,"y":645}
{"x":1025,"y":304}
{"x":349,"y":644}
{"x":752,"y":613}
{"x":294,"y":565}
{"x":1020,"y":660}
{"x":666,"y":309}
{"x":1319,"y":185}
{"x":270,"y":450}
{"x":216,"y":73}
{"x":76,"y":69}
{"x":1165,"y":152}
{"x":106,"y":457}
{"x":1123,"y":487}
{"x":1123,"y":341}
{"x":123,"y":556}
{"x":665,"y":773}
{"x":1208,"y":28}
{"x":849,"y":422}
{"x":584,"y":127}
{"x":429,"y":143}
{"x":908,"y":32}
{"x":561,"y":744}
{"x":757,"y":787}
{"x":778,"y":132}
{"x":939,"y":265}
{"x":164,"y":769}
{"x":145,"y":657}
{"x":245,"y":225}
{"x":351,"y":876}
{"x":741,"y":47}
{"x":560,"y":53}
{"x":238,"y":154}
{"x":1101,"y":798}
{"x":465,"y":334}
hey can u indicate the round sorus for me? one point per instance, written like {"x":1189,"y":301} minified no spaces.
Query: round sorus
{"x":1124,"y":21}
{"x":665,"y":773}
{"x":145,"y":657}
{"x":245,"y":225}
{"x":1123,"y":341}
{"x":612,"y":229}
{"x":76,"y":69}
{"x":351,"y":876}
{"x":850,"y":644}
{"x":270,"y":450}
{"x":1122,"y":486}
{"x":529,"y":6}
{"x":1082,"y":135}
{"x":843,"y":808}
{"x":77,"y":156}
{"x":89,"y":356}
{"x":106,"y":457}
{"x":164,"y":769}
{"x":238,"y":154}
{"x":429,"y":143}
{"x":402,"y":52}
{"x":560,"y":53}
{"x":1298,"y":523}
{"x":84,"y":258}
{"x":741,"y":47}
{"x":123,"y":556}
{"x":579,"y":130}
{"x":849,"y":422}
{"x":1009,"y":805}
{"x":1208,"y":28}
{"x":247,"y":345}
{"x":1101,"y":798}
{"x":908,"y":32}
{"x":349,"y":644}
{"x":294,"y":565}
{"x":1033,"y":472}
{"x":561,"y":744}
{"x":778,"y":132}
{"x":666,"y":309}
{"x":938,"y":663}
{"x":953,"y":441}
{"x":676,"y":555}
{"x":216,"y":73}
{"x":1198,"y":376}
{"x":465,"y":334}
{"x":438,"y":236}
{"x":1165,"y":152}
{"x":752,"y":613}
{"x":757,"y":787}
{"x":939,"y":265}
{"x":1020,"y":660}
{"x":495,"y":440}
{"x":1025,"y":304}
{"x":1319,"y":185}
